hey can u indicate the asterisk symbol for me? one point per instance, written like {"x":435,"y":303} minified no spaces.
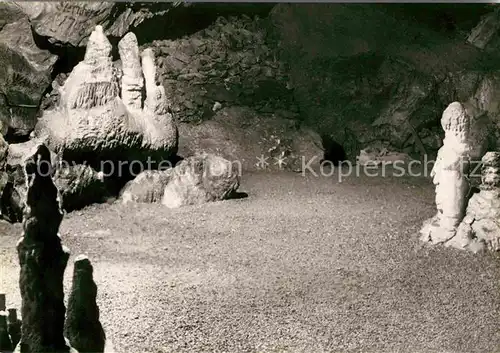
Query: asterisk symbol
{"x":280,"y":161}
{"x":262,"y":162}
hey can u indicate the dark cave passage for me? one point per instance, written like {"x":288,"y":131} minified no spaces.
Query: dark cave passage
{"x":333,"y":151}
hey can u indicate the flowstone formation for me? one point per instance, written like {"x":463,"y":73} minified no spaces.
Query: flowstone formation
{"x":110,"y":113}
{"x":43,"y":259}
{"x":480,"y":228}
{"x":450,"y":175}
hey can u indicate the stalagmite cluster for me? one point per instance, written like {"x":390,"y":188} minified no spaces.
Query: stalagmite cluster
{"x":115,"y":111}
{"x":43,"y":260}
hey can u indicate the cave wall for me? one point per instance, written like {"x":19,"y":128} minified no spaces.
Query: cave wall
{"x":379,"y":74}
{"x":358,"y":74}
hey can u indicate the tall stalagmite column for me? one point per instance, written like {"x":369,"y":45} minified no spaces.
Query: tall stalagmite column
{"x":42,"y":259}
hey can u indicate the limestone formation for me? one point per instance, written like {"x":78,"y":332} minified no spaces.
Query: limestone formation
{"x":132,"y":79}
{"x":5,"y":341}
{"x":227,"y":134}
{"x":195,"y":180}
{"x":69,"y":23}
{"x":92,"y":119}
{"x":14,"y":326}
{"x":24,"y":76}
{"x":79,"y":184}
{"x":450,"y":176}
{"x":147,"y":187}
{"x":199,"y":179}
{"x":82,"y":326}
{"x":480,"y":227}
{"x":485,"y":30}
{"x":42,"y":259}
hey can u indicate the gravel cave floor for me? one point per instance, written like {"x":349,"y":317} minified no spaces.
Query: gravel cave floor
{"x":304,"y":264}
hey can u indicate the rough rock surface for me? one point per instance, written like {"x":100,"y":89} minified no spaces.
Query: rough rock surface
{"x":91,"y":118}
{"x":147,"y":187}
{"x":384,"y":79}
{"x":5,"y":341}
{"x":450,"y":175}
{"x":82,"y":326}
{"x":25,"y":75}
{"x":14,"y":326}
{"x":79,"y":184}
{"x":4,"y":149}
{"x":199,"y":179}
{"x":71,"y":23}
{"x":42,"y":259}
{"x":485,"y":30}
{"x":373,"y":156}
{"x":480,"y":228}
{"x":227,"y":64}
{"x":241,"y":135}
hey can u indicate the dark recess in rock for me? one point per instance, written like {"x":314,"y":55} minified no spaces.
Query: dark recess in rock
{"x":333,"y":151}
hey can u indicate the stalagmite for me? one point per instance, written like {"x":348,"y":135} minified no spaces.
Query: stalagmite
{"x":5,"y":342}
{"x":14,"y":326}
{"x":450,"y":175}
{"x":42,"y":259}
{"x":132,"y":79}
{"x":82,"y":326}
{"x":155,"y":94}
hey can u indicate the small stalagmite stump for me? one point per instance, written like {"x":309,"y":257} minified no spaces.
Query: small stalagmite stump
{"x":14,"y":326}
{"x":2,"y":302}
{"x":42,"y":259}
{"x":82,"y":327}
{"x":5,"y":342}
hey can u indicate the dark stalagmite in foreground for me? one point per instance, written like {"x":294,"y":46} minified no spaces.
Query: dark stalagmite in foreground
{"x":5,"y":342}
{"x":42,"y":259}
{"x":14,"y":326}
{"x":82,"y":326}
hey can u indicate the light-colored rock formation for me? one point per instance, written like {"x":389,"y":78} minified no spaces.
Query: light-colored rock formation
{"x":155,"y":94}
{"x":82,"y":326}
{"x":374,"y":156}
{"x":480,"y":227}
{"x":42,"y":259}
{"x":92,"y":118}
{"x":450,"y":175}
{"x":199,"y":179}
{"x":24,"y":76}
{"x":195,"y":180}
{"x":132,"y":79}
{"x":147,"y":187}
